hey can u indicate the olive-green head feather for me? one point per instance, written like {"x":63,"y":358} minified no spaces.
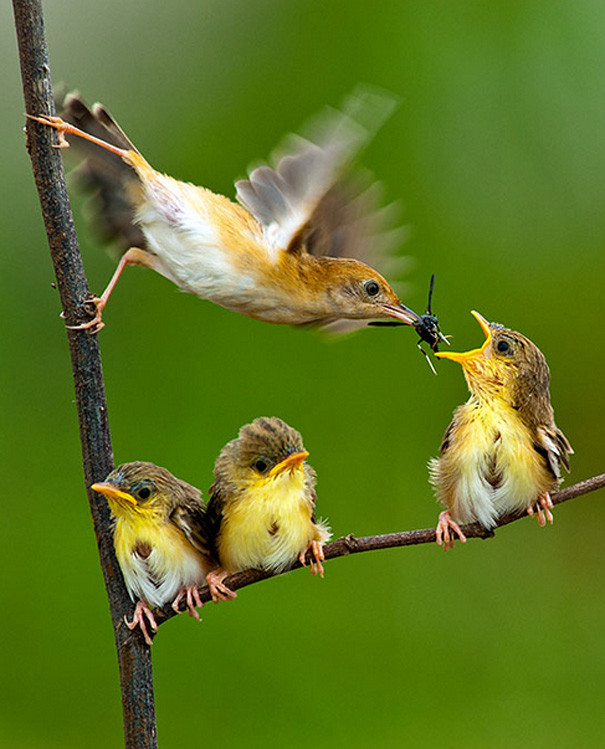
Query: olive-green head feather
{"x":263,"y":451}
{"x":145,"y":488}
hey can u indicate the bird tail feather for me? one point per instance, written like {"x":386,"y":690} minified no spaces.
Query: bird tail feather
{"x":112,"y":183}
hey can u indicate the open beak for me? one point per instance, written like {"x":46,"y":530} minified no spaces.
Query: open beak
{"x":467,"y":356}
{"x":402,"y":313}
{"x":123,"y":499}
{"x":292,"y":461}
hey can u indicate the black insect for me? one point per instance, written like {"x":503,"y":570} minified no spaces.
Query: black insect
{"x":427,"y":327}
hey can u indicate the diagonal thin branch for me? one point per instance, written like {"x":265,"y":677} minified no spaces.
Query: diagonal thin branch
{"x":134,"y":658}
{"x":353,"y":545}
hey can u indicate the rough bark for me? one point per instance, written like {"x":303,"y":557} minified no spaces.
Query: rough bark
{"x":134,"y":657}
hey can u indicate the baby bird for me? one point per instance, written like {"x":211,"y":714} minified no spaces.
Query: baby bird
{"x":503,"y":451}
{"x":290,"y":253}
{"x":157,"y":539}
{"x":261,"y":512}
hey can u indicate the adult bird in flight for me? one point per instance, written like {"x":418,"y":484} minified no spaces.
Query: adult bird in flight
{"x":291,"y":252}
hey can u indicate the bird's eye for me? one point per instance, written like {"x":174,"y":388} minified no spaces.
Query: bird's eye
{"x":503,"y":347}
{"x":261,"y":466}
{"x":144,"y":493}
{"x":372,"y":288}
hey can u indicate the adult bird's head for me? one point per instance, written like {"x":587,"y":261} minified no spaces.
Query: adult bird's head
{"x":142,"y":490}
{"x":507,"y":366}
{"x":267,"y":454}
{"x":350,"y":289}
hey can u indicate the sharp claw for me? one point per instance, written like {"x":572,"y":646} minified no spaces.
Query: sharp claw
{"x":542,"y":510}
{"x":443,"y":537}
{"x":92,"y":326}
{"x":58,"y":124}
{"x":193,"y":601}
{"x":196,"y":596}
{"x":317,"y":557}
{"x":141,"y":611}
{"x":63,"y":127}
{"x":141,"y":624}
{"x":218,"y":590}
{"x":175,"y":603}
{"x":152,"y":621}
{"x":96,"y":323}
{"x":193,"y":612}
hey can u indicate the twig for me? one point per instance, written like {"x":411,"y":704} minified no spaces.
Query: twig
{"x":133,"y":655}
{"x":352,"y":545}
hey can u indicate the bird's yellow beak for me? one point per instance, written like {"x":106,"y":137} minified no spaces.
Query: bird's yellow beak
{"x":113,"y":494}
{"x":292,"y":461}
{"x":468,"y":356}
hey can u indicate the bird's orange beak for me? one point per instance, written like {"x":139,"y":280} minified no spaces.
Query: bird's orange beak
{"x":401,"y":312}
{"x":123,"y":499}
{"x":466,"y":357}
{"x":292,"y":461}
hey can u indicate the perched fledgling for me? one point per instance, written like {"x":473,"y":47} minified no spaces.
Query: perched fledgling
{"x":261,"y":511}
{"x":292,"y":251}
{"x":503,"y":451}
{"x":156,"y":538}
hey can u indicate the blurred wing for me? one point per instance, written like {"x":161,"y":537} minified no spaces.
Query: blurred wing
{"x":304,"y":202}
{"x":553,"y":445}
{"x":351,"y":220}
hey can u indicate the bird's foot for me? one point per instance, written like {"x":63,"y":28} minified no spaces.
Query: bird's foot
{"x":141,"y":611}
{"x":443,"y":536}
{"x":96,"y":323}
{"x":192,"y":595}
{"x":132,"y":257}
{"x":542,"y":509}
{"x":218,"y":590}
{"x":65,"y":128}
{"x":59,"y":125}
{"x":317,"y":557}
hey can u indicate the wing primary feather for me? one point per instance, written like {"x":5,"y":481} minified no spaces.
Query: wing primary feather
{"x":287,"y":198}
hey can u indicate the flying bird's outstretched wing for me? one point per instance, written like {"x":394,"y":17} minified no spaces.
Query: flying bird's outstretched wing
{"x":310,"y":202}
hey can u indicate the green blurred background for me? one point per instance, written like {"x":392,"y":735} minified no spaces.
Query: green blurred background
{"x":498,"y":153}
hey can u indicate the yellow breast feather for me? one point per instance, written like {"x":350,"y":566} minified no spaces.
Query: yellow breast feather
{"x":491,"y":466}
{"x":268,"y":526}
{"x":156,"y":559}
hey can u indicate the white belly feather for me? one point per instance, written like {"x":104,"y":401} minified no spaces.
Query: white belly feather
{"x":157,"y":579}
{"x":156,"y":560}
{"x":489,"y":471}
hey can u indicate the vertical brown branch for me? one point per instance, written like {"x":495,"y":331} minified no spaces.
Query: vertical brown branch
{"x":134,"y":656}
